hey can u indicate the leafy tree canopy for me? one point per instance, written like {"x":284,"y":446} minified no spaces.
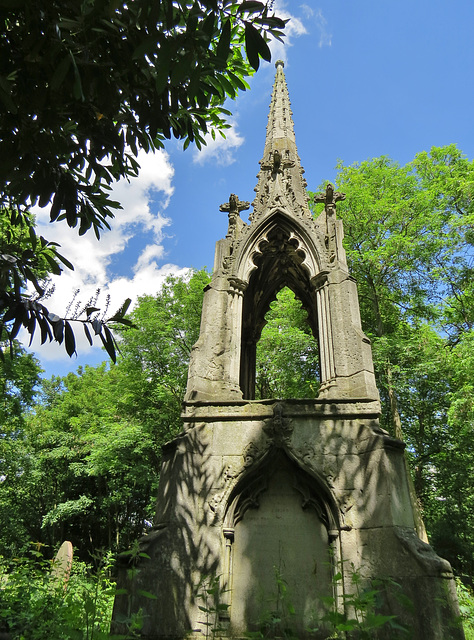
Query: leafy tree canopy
{"x":409,"y":244}
{"x":287,"y":353}
{"x":19,"y":380}
{"x":83,"y":86}
{"x":85,"y":463}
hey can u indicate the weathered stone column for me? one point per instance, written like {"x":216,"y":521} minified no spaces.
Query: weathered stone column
{"x":346,"y":357}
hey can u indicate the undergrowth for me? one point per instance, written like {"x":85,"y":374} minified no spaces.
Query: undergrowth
{"x":35,"y":604}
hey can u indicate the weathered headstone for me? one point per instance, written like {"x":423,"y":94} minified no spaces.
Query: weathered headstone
{"x":62,"y":563}
{"x":287,"y":500}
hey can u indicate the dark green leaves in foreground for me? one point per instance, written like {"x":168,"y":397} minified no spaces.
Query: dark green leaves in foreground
{"x":25,"y":261}
{"x":73,"y":117}
{"x":84,"y":86}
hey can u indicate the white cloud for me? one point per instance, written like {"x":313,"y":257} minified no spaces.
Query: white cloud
{"x":299,"y":26}
{"x":220,"y":150}
{"x":325,"y":37}
{"x":149,"y":255}
{"x":144,"y":200}
{"x":316,"y":16}
{"x":294,"y":28}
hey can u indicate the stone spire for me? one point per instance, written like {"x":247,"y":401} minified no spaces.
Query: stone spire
{"x":280,"y":179}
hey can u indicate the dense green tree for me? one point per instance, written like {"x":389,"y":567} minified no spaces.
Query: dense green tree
{"x":85,"y":84}
{"x":451,"y":507}
{"x":155,"y":352}
{"x":86,"y":463}
{"x":83,"y":471}
{"x":83,"y":87}
{"x":446,"y":176}
{"x":408,"y":233}
{"x":19,"y":381}
{"x":408,"y":238}
{"x":287,"y":353}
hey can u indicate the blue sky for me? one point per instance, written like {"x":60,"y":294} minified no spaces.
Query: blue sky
{"x":366,"y":78}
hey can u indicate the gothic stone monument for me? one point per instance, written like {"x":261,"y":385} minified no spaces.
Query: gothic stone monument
{"x":265,"y":493}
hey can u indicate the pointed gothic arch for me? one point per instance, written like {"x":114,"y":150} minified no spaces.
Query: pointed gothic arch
{"x":280,"y":253}
{"x":306,"y":244}
{"x":307,"y":515}
{"x":313,"y":487}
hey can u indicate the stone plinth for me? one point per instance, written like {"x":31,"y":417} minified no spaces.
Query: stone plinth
{"x":262,"y":492}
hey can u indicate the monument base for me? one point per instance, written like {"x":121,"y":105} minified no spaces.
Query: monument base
{"x":270,"y":515}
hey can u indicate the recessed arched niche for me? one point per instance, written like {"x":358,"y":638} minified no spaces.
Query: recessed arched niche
{"x":276,"y":511}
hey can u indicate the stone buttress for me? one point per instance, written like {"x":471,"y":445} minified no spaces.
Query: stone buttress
{"x":266,"y":508}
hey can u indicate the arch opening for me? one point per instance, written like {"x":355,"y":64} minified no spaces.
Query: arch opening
{"x":287,"y":354}
{"x":279,"y":263}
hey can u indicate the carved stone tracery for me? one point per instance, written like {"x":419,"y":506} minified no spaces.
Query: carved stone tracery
{"x":252,"y":482}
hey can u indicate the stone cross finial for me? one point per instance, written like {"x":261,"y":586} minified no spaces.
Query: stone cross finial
{"x":233,"y":208}
{"x":330,"y":197}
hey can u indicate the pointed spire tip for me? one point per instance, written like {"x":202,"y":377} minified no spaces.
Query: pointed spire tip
{"x":279,"y":63}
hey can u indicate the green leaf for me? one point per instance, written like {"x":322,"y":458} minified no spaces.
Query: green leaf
{"x":91,"y":310}
{"x":60,"y":73}
{"x":118,"y":315}
{"x":252,"y":46}
{"x":88,"y":333}
{"x":229,"y":88}
{"x":32,"y":278}
{"x":45,"y":330}
{"x":161,"y":77}
{"x":33,"y":239}
{"x":97,"y":326}
{"x":77,"y":87}
{"x":147,"y":594}
{"x":257,"y":43}
{"x":64,"y":260}
{"x":109,"y":343}
{"x":70,"y":341}
{"x":209,"y":25}
{"x":223,"y":47}
{"x":58,"y":330}
{"x":238,"y":81}
{"x":53,"y":265}
{"x":271,"y":21}
{"x":251,"y":6}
